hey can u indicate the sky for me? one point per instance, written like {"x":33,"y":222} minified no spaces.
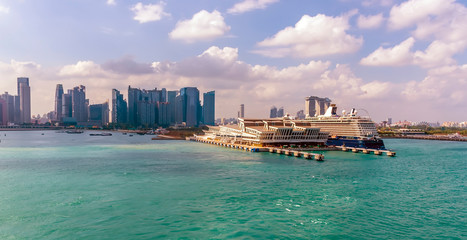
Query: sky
{"x":400,"y":59}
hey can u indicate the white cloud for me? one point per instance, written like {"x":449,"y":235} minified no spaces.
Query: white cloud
{"x":414,"y":11}
{"x":82,"y":69}
{"x":376,"y":89}
{"x":203,"y":26}
{"x":149,"y":12}
{"x":441,"y":22}
{"x":316,"y":36}
{"x":249,"y":5}
{"x":4,"y":9}
{"x":399,"y":55}
{"x":370,"y":22}
{"x":111,"y":2}
{"x":444,"y":86}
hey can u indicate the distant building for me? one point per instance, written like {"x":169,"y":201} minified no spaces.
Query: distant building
{"x":67,"y":106}
{"x":3,"y":112}
{"x":58,"y":103}
{"x":190,"y":106}
{"x":300,"y":115}
{"x":24,"y":93}
{"x":316,"y":106}
{"x":10,"y":102}
{"x":280,"y":112}
{"x":273,"y":112}
{"x":79,"y":104}
{"x":209,"y":106}
{"x":241,"y":113}
{"x":389,"y":121}
{"x":99,"y":114}
{"x":119,"y":108}
{"x":171,"y":99}
{"x":163,"y":116}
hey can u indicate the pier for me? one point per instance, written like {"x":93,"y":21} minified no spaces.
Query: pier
{"x":367,"y":151}
{"x":300,"y":153}
{"x":287,"y":152}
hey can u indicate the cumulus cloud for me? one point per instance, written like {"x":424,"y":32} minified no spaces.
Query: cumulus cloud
{"x":203,"y":26}
{"x":414,"y":11}
{"x":149,"y":13}
{"x":111,"y":2}
{"x":81,"y":69}
{"x":442,"y":86}
{"x":398,"y":55}
{"x":249,"y":5}
{"x":441,"y":22}
{"x":370,"y":22}
{"x":316,"y":36}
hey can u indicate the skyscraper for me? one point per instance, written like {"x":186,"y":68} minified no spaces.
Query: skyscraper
{"x":99,"y":114}
{"x":67,"y":105}
{"x":241,"y":113}
{"x":191,"y":108}
{"x":79,"y":104}
{"x":171,"y":99}
{"x":142,"y":106}
{"x":3,"y":112}
{"x":280,"y":112}
{"x":273,"y":112}
{"x":10,"y":101}
{"x":209,"y":99}
{"x":316,"y":106}
{"x":119,"y":107}
{"x":24,"y":93}
{"x":58,"y":102}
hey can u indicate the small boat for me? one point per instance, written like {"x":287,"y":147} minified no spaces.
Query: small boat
{"x":74,"y":131}
{"x":100,"y":134}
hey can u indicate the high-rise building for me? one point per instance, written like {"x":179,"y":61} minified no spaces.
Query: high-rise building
{"x":209,"y":108}
{"x":3,"y":112}
{"x":17,"y":109}
{"x":310,"y":106}
{"x":191,"y":107}
{"x":79,"y":104}
{"x":163,"y":114}
{"x":10,"y":102}
{"x":142,"y":106}
{"x":316,"y":106}
{"x":67,"y":105}
{"x":273,"y":112}
{"x":99,"y":114}
{"x":25,"y":103}
{"x":171,"y":99}
{"x":119,"y":108}
{"x":24,"y":93}
{"x":280,"y":112}
{"x":58,"y":102}
{"x":300,"y":115}
{"x":241,"y":113}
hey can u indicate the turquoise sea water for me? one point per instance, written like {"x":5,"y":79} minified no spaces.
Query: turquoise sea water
{"x":63,"y":186}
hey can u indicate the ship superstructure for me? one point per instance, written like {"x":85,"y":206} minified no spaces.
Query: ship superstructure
{"x":349,"y":129}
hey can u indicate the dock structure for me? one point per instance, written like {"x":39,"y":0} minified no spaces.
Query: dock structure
{"x":367,"y":151}
{"x":287,"y":152}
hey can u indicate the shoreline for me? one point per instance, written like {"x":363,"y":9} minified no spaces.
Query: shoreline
{"x":427,"y":137}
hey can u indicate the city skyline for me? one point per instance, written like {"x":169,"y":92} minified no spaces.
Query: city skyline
{"x":375,"y":55}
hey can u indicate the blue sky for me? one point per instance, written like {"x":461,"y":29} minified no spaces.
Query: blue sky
{"x":399,"y":59}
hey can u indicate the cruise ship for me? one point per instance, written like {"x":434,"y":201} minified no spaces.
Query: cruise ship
{"x":347,"y":130}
